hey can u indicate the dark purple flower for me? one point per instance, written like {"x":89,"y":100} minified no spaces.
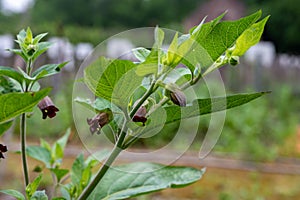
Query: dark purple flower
{"x":178,"y":98}
{"x":47,"y":107}
{"x":3,"y":149}
{"x":140,"y":115}
{"x":97,"y":122}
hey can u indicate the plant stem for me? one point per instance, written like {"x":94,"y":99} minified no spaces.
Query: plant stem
{"x":143,"y":99}
{"x":115,"y":152}
{"x":23,"y":147}
{"x":23,"y":132}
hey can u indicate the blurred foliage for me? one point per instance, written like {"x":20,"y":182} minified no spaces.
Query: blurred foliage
{"x":96,"y":20}
{"x":284,"y":25}
{"x":261,"y":126}
{"x":249,"y":131}
{"x":110,"y":13}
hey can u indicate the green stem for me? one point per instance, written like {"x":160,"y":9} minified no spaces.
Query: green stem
{"x":115,"y":152}
{"x":23,"y":147}
{"x":29,"y":67}
{"x":23,"y":132}
{"x":143,"y":99}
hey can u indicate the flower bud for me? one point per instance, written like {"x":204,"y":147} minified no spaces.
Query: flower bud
{"x":31,"y":49}
{"x":140,"y":115}
{"x":234,"y":60}
{"x":47,"y":107}
{"x":3,"y":149}
{"x":97,"y":122}
{"x":178,"y":98}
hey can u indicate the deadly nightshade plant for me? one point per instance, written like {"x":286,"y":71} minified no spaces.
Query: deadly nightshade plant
{"x":21,"y":92}
{"x":129,"y":106}
{"x":134,"y":93}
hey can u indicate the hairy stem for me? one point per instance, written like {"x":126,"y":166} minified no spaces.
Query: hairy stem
{"x":23,"y":147}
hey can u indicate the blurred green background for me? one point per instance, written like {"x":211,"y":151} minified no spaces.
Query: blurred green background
{"x":264,"y":130}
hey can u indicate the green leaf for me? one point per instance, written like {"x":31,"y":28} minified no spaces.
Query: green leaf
{"x":59,"y":147}
{"x":32,"y":187}
{"x":200,"y":31}
{"x":224,"y":35}
{"x":148,"y":67}
{"x":29,"y":37}
{"x":77,"y":169}
{"x":41,"y":154}
{"x":8,"y":85}
{"x":41,"y":48}
{"x":209,"y":105}
{"x":249,"y":38}
{"x":148,"y":177}
{"x":59,"y":173}
{"x":39,"y":37}
{"x":5,"y":126}
{"x":99,"y":105}
{"x":86,"y":175}
{"x":18,"y":52}
{"x":18,"y":195}
{"x":39,"y":195}
{"x":57,"y":154}
{"x":45,"y":144}
{"x":151,"y":65}
{"x":112,"y":80}
{"x":141,"y":53}
{"x":193,"y":53}
{"x":64,"y":139}
{"x":14,"y":104}
{"x":173,"y":56}
{"x":48,"y":70}
{"x":12,"y":73}
{"x":158,"y":37}
{"x":170,"y":114}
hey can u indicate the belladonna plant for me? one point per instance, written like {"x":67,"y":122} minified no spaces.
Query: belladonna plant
{"x":129,"y":99}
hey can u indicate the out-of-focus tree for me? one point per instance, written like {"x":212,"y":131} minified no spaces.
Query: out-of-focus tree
{"x":109,"y":13}
{"x":283,"y":27}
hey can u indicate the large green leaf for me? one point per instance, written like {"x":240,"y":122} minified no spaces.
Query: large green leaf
{"x":14,"y":104}
{"x":209,"y":105}
{"x":224,"y":35}
{"x":170,"y":114}
{"x":147,"y":177}
{"x":112,"y":80}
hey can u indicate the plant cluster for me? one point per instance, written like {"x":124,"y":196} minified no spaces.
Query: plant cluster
{"x":131,"y":97}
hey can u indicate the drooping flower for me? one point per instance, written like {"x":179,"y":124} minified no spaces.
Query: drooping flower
{"x":3,"y":149}
{"x":178,"y":98}
{"x":98,"y":121}
{"x":47,"y":107}
{"x":140,"y":115}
